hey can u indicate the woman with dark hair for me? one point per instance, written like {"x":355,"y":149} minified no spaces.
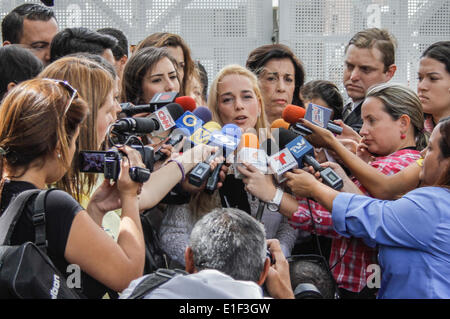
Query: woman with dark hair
{"x":179,"y":50}
{"x":411,"y":233}
{"x":323,"y":93}
{"x":434,"y":78}
{"x":280,"y":75}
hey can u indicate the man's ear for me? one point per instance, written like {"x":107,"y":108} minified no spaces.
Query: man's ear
{"x":390,"y":71}
{"x":5,"y":43}
{"x":189,"y":260}
{"x":265,"y":272}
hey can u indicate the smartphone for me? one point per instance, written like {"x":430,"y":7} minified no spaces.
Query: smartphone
{"x":92,"y":161}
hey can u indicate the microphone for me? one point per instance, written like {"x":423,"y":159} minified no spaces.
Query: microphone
{"x":158,"y":101}
{"x":203,"y":113}
{"x":138,"y":125}
{"x":249,"y":152}
{"x":321,"y":116}
{"x":202,"y":170}
{"x":302,"y":151}
{"x":187,"y":103}
{"x":293,"y":113}
{"x":279,"y":123}
{"x":167,"y":116}
{"x":174,"y":140}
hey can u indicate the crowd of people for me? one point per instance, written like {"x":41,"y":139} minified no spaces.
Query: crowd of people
{"x":253,"y":236}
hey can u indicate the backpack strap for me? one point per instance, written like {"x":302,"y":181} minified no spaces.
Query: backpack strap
{"x":38,"y":218}
{"x":12,"y":213}
{"x":154,"y":280}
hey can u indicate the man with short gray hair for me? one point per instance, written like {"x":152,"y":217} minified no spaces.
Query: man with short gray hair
{"x":227,"y":258}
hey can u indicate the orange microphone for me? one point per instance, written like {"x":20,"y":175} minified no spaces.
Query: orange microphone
{"x":279,"y":123}
{"x":292,"y":113}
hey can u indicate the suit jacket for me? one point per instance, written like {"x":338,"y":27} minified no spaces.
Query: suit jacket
{"x":354,"y":119}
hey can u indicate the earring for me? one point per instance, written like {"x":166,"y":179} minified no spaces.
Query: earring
{"x":59,"y":155}
{"x":403,"y":136}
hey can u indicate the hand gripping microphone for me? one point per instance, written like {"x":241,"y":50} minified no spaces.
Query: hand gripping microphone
{"x":233,"y":134}
{"x":303,"y":152}
{"x":249,"y":152}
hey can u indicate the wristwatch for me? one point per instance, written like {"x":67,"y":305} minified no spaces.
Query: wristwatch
{"x":274,"y":204}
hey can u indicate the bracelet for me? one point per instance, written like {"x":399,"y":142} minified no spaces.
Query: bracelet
{"x":180,"y":166}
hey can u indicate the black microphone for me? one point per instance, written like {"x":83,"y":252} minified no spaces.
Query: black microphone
{"x":174,"y":140}
{"x":139,"y":125}
{"x":129,"y":109}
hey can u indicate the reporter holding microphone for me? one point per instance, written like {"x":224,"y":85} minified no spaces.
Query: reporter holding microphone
{"x":411,"y":232}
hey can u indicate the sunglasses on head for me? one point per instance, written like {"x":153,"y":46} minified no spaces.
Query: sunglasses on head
{"x":72,"y":92}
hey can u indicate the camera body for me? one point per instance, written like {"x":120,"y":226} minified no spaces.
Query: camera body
{"x":108,"y":163}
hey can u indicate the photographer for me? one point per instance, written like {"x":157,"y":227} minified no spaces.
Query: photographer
{"x":40,"y":121}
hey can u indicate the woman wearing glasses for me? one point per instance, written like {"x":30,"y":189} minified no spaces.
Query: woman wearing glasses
{"x":49,"y":114}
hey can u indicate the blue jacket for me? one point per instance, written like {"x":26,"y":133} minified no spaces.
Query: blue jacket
{"x":413,"y":237}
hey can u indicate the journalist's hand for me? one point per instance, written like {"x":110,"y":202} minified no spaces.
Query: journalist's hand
{"x":300,"y":182}
{"x":278,"y":281}
{"x":257,"y":183}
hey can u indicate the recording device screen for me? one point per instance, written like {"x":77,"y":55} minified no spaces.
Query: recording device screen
{"x":92,"y":161}
{"x":332,"y":177}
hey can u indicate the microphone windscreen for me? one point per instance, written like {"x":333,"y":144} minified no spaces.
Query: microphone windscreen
{"x":285,"y":136}
{"x":203,"y":113}
{"x":212,"y":126}
{"x":232,"y":130}
{"x":249,"y":140}
{"x":175,"y":110}
{"x":187,"y":103}
{"x":293,"y":113}
{"x":279,"y":123}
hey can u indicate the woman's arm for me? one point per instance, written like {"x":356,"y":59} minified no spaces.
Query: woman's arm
{"x":378,"y":185}
{"x":164,"y":179}
{"x":113,"y":264}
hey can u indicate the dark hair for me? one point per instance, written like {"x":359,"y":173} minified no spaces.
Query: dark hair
{"x":378,"y":38}
{"x":203,"y":77}
{"x":439,"y":51}
{"x":326,"y":91}
{"x":121,"y":49}
{"x":137,"y":66}
{"x":12,"y":24}
{"x":258,"y":58}
{"x":305,"y":271}
{"x":73,"y":40}
{"x":444,"y":146}
{"x":165,"y":39}
{"x":17,"y":65}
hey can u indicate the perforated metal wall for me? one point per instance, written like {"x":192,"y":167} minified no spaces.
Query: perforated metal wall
{"x":318,"y":30}
{"x":219,"y":32}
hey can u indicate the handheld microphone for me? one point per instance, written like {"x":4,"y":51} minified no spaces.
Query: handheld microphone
{"x":203,"y":113}
{"x":279,"y":123}
{"x":302,"y":152}
{"x":174,"y":140}
{"x":158,"y":101}
{"x":321,"y":116}
{"x":293,"y":113}
{"x":229,"y":137}
{"x":138,"y":125}
{"x":166,"y":116}
{"x":249,"y":152}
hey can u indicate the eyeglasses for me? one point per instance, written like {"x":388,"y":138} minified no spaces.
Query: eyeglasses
{"x":72,"y":92}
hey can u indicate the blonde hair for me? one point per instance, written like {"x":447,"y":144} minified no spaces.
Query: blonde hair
{"x":93,"y":83}
{"x":213,"y":97}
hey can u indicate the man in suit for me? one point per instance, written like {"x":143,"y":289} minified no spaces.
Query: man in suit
{"x":369,"y":60}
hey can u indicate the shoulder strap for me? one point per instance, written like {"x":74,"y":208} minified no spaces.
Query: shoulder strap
{"x":153,"y":281}
{"x":38,"y":218}
{"x":12,"y":213}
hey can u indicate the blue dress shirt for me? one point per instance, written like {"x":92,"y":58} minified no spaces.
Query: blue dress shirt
{"x":413,"y":237}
